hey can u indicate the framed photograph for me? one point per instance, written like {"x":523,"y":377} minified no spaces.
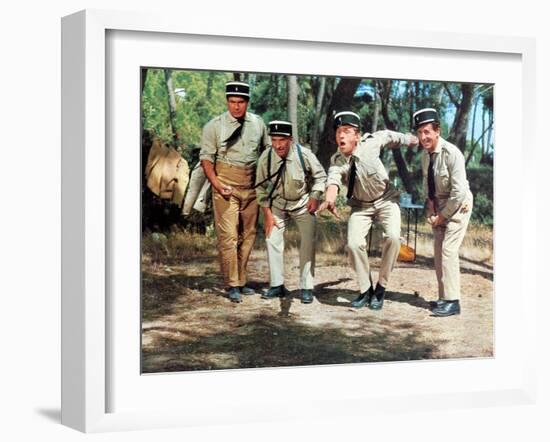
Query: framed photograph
{"x":142,"y":347}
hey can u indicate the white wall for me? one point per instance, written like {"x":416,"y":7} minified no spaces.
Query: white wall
{"x":30,"y":215}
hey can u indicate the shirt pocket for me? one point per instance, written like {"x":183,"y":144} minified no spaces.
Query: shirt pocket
{"x":371,"y":171}
{"x":252,"y":137}
{"x":298,"y":182}
{"x":443,"y":180}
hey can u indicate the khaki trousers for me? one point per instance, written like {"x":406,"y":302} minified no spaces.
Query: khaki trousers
{"x":447,"y":241}
{"x":388,"y":215}
{"x":235,"y":220}
{"x":276,"y":246}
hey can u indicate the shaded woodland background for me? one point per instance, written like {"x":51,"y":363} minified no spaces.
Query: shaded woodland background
{"x":176,"y":104}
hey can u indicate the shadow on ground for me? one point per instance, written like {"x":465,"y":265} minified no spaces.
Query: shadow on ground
{"x":277,"y":341}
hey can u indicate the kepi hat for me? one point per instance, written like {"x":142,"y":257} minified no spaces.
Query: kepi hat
{"x":237,"y":88}
{"x":347,"y":118}
{"x":280,"y":128}
{"x":423,"y":116}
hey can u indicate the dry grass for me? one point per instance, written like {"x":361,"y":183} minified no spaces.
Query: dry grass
{"x":181,"y":247}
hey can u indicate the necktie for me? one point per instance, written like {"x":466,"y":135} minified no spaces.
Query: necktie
{"x":351,"y":181}
{"x":431,"y":179}
{"x":232,"y":139}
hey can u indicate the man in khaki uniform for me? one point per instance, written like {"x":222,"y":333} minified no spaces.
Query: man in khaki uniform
{"x":230,"y":146}
{"x":290,"y":181}
{"x":371,"y":197}
{"x":449,"y":206}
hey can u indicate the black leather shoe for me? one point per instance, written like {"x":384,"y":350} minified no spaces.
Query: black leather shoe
{"x":377,"y":299}
{"x":449,"y":308}
{"x":247,"y":291}
{"x":363,"y":299}
{"x":234,"y":294}
{"x":307,"y":296}
{"x":438,"y":303}
{"x":275,"y":292}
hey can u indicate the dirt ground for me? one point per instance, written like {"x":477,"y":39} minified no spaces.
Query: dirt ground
{"x":188,"y":323}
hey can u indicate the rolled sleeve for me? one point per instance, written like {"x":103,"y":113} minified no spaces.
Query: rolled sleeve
{"x":391,"y":139}
{"x":209,"y":143}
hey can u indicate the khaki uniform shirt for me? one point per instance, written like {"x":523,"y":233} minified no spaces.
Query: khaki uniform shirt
{"x":371,"y":181}
{"x":245,"y":151}
{"x":296,"y":186}
{"x":451,"y":185}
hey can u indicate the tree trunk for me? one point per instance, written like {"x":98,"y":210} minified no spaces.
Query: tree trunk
{"x":341,"y":100}
{"x":209,"y":85}
{"x":439,"y":95}
{"x":143,"y":78}
{"x":482,"y":160}
{"x":171,"y":104}
{"x":409,"y":155}
{"x":489,"y":136}
{"x":472,"y":145}
{"x":459,"y":131}
{"x":385,"y":87}
{"x":376,"y":112}
{"x":292,"y":89}
{"x":329,"y":93}
{"x":317,"y":117}
{"x":476,"y":143}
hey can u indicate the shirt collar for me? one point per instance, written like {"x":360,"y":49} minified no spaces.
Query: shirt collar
{"x":233,"y":120}
{"x":439,"y":145}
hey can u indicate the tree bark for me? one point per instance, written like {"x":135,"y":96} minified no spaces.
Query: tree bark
{"x":209,"y":85}
{"x":376,"y":112}
{"x":171,"y":104}
{"x":143,"y":78}
{"x":476,"y":101}
{"x":385,"y":86}
{"x":292,"y":89}
{"x":459,"y":131}
{"x":481,"y":137}
{"x":341,"y":100}
{"x":489,"y":137}
{"x":317,"y":117}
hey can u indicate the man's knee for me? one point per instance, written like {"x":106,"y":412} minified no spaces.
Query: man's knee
{"x":393,"y":240}
{"x":356,"y":244}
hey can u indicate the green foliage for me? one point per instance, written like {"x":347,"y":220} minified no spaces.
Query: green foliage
{"x":200,"y":96}
{"x":193,"y":109}
{"x":481,"y":185}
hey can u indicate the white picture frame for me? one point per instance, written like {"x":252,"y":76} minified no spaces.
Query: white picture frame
{"x":86,"y":312}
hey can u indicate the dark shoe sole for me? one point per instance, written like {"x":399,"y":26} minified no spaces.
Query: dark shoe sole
{"x":444,"y":315}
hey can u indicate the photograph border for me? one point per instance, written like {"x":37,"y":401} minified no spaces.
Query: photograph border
{"x":85,"y":313}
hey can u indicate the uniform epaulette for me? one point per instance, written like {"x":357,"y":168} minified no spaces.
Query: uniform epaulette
{"x":366,"y":136}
